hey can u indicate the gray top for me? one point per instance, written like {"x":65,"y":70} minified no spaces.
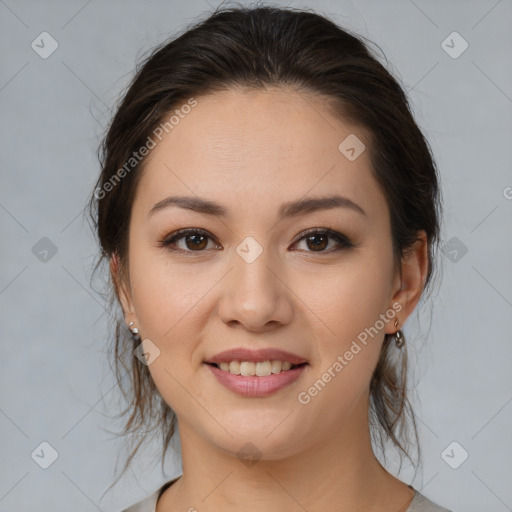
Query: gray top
{"x":418,"y":504}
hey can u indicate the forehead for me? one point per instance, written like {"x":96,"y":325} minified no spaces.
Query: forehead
{"x":248,"y":148}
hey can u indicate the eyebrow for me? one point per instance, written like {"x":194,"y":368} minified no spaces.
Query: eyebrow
{"x":286,"y":210}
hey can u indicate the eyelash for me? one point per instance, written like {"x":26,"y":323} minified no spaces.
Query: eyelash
{"x":170,"y":240}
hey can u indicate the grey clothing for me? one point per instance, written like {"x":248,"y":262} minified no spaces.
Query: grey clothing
{"x":419,"y":503}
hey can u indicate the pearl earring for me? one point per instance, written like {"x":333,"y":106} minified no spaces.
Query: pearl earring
{"x":399,"y":336}
{"x":133,"y":330}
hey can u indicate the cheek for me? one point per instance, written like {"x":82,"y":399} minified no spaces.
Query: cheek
{"x":167,"y":297}
{"x":170,"y":310}
{"x":348,"y":349}
{"x":347,"y":300}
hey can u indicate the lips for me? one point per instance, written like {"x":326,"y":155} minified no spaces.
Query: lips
{"x":246,"y":372}
{"x":255,"y":356}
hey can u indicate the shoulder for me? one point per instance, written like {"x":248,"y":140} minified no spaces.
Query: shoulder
{"x":148,"y":504}
{"x":421,"y":503}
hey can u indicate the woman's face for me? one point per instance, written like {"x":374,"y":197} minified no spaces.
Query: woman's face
{"x":253,"y":282}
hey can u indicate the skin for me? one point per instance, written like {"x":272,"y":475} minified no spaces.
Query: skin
{"x":250,"y":152}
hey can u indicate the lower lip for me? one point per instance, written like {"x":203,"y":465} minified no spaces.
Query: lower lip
{"x":256,"y":386}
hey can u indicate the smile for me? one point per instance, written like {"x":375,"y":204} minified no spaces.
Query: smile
{"x":251,"y":368}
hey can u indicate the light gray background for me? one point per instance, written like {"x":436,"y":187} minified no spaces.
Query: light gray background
{"x":54,"y":380}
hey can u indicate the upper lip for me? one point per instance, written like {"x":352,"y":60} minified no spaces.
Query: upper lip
{"x":245,"y":354}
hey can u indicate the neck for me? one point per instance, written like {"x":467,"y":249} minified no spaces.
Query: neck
{"x":340,"y":473}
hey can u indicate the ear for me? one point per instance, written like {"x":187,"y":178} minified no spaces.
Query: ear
{"x":122,"y":288}
{"x":410,"y":281}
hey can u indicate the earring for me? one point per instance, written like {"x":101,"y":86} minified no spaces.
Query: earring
{"x":399,"y":336}
{"x":133,"y":330}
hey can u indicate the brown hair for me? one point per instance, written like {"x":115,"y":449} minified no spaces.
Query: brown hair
{"x":256,"y":48}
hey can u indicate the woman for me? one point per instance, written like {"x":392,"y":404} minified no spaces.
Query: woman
{"x":270,"y":213}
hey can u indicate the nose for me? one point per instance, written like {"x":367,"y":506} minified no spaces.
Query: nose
{"x":255,"y":294}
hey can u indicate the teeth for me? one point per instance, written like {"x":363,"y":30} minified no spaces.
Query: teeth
{"x":250,"y":369}
{"x":263,"y":369}
{"x":234,"y":367}
{"x":247,"y":368}
{"x":276,"y":366}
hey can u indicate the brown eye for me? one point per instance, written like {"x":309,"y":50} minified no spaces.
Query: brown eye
{"x":196,"y":242}
{"x":317,"y":240}
{"x":192,"y":240}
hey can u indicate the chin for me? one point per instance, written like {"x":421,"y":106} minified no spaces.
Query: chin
{"x":266,"y":434}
